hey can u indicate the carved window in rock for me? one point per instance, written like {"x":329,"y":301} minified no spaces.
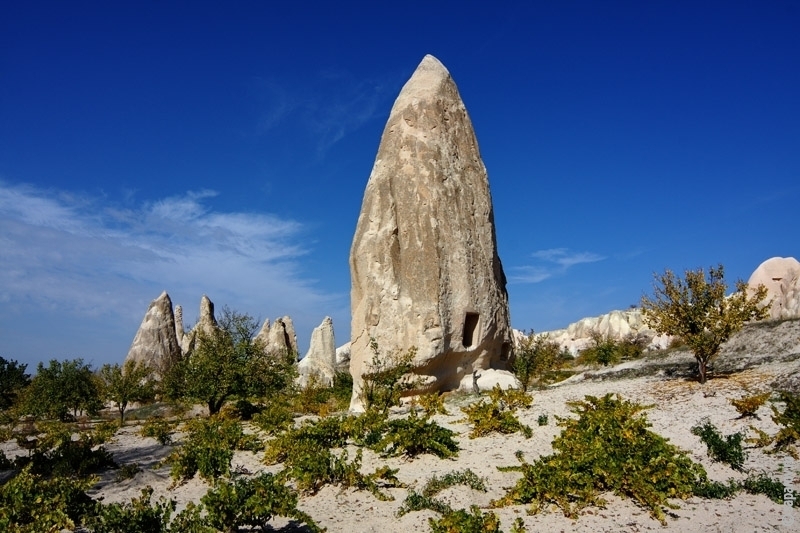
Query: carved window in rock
{"x":470,"y":331}
{"x":505,"y":351}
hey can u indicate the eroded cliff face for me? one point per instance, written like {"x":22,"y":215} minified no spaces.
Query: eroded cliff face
{"x":424,"y":266}
{"x":156,"y":342}
{"x":781,"y":277}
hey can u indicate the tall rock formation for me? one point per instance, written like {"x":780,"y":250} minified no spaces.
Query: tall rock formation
{"x":156,"y":343}
{"x":206,"y":323}
{"x":781,"y":277}
{"x":280,"y":337}
{"x":423,"y":264}
{"x":321,"y":357}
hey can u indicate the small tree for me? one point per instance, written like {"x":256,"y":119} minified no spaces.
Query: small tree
{"x":129,"y":383}
{"x":697,"y":310}
{"x":534,"y":356}
{"x":12,"y":380}
{"x":229,"y":362}
{"x":61,"y":388}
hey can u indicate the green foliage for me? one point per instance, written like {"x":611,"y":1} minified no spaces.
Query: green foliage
{"x":131,"y":382}
{"x":697,"y":310}
{"x":413,"y":436}
{"x":727,"y":449}
{"x":30,"y":503}
{"x":542,"y":420}
{"x":208,"y":448}
{"x":252,"y":503}
{"x":498,"y":414}
{"x":417,"y":501}
{"x":159,"y":429}
{"x":789,"y":422}
{"x":12,"y":380}
{"x":461,"y":521}
{"x":762,"y":439}
{"x":328,"y":432}
{"x":606,"y":350}
{"x":388,"y":379}
{"x":535,"y":356}
{"x":62,"y":389}
{"x":138,"y":516}
{"x":432,"y":404}
{"x":607,"y":448}
{"x":750,"y":404}
{"x":56,"y":453}
{"x":228,"y":362}
{"x":127,"y":471}
{"x":275,"y":416}
{"x":773,"y":489}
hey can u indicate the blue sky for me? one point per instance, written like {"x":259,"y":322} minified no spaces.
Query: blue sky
{"x":223,"y":149}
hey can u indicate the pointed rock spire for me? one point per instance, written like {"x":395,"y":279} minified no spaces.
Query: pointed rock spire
{"x":156,"y":343}
{"x":424,"y":268}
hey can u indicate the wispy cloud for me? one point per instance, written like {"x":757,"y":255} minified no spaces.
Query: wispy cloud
{"x":80,"y":255}
{"x":551,"y":262}
{"x":334,"y":105}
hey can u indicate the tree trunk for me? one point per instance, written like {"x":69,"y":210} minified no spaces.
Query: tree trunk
{"x":121,"y":408}
{"x":702,"y":364}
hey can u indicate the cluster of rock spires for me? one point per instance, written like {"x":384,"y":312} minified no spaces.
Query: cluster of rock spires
{"x":161,"y":340}
{"x":424,"y":268}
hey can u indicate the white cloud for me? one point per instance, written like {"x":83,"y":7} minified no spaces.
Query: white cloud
{"x":79,"y":256}
{"x":551,"y":262}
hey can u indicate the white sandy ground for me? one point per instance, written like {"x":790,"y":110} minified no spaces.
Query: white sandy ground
{"x":759,"y":358}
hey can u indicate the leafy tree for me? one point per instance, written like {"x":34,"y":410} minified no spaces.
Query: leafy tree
{"x":534,"y":356}
{"x":128,"y":383}
{"x":63,"y":388}
{"x":12,"y":380}
{"x":229,"y":362}
{"x":697,"y":310}
{"x":388,"y":379}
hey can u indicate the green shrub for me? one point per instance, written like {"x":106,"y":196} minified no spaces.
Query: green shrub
{"x":749,"y":405}
{"x":542,"y":420}
{"x":417,"y":501}
{"x":773,"y":489}
{"x":534,"y":357}
{"x":159,"y":429}
{"x":789,"y":422}
{"x":30,"y":503}
{"x":138,"y":516}
{"x":252,"y":503}
{"x":497,"y":415}
{"x":326,"y":433}
{"x":388,"y":379}
{"x":607,"y":448}
{"x":461,"y":521}
{"x":762,"y":439}
{"x":275,"y":416}
{"x":57,"y":454}
{"x":208,"y":448}
{"x":128,"y":471}
{"x":413,"y":436}
{"x":432,"y":404}
{"x":727,"y":449}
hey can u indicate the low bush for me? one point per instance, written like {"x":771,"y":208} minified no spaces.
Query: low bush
{"x":535,"y":357}
{"x":275,"y":416}
{"x":789,"y":422}
{"x":128,"y":471}
{"x":725,"y":449}
{"x":431,"y":404}
{"x":417,"y":501}
{"x":208,"y":448}
{"x":749,"y":405}
{"x":390,"y":377}
{"x":159,"y":429}
{"x":608,"y":447}
{"x":251,"y":503}
{"x":413,"y":436}
{"x":542,"y":420}
{"x":462,"y":521}
{"x":30,"y":503}
{"x":498,"y":414}
{"x":139,"y":516}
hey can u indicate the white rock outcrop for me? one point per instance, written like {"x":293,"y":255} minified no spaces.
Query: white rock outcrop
{"x":781,"y":277}
{"x":206,"y":323}
{"x":155,"y":342}
{"x":320,"y":361}
{"x":423,"y":264}
{"x":615,"y":325}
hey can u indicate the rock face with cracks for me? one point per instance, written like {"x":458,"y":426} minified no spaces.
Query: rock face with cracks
{"x":423,"y":264}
